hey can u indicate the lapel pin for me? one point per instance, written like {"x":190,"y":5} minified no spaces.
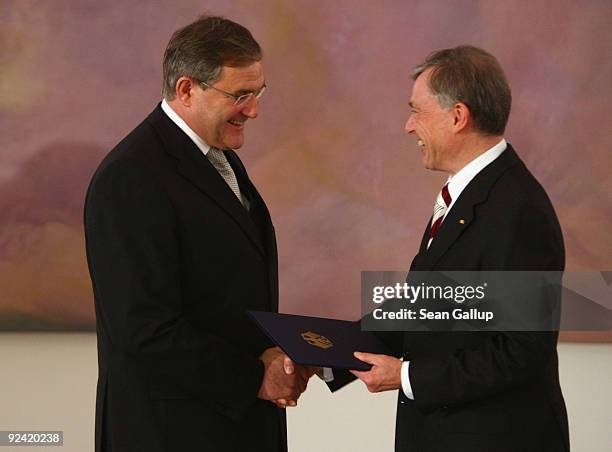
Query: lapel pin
{"x":462,"y":221}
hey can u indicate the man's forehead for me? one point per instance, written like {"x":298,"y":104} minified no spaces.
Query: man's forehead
{"x":252,"y":73}
{"x":420,"y":88}
{"x":421,"y":84}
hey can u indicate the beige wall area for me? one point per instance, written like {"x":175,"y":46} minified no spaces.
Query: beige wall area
{"x":47,"y":382}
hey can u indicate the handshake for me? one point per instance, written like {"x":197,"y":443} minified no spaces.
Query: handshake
{"x":283,"y":380}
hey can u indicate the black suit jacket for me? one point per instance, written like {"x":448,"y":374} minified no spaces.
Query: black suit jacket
{"x":486,"y":391}
{"x":175,"y":261}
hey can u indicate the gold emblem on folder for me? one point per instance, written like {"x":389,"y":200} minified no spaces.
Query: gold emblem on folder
{"x":317,"y":340}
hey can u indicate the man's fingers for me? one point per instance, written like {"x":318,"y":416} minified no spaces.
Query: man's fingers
{"x":284,"y":403}
{"x":369,"y":358}
{"x":359,"y":374}
{"x":281,"y":403}
{"x":288,"y":365}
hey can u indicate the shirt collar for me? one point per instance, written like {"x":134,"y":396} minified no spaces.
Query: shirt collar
{"x":460,"y":180}
{"x":199,"y":142}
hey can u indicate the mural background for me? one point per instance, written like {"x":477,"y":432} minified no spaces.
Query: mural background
{"x":343,"y":181}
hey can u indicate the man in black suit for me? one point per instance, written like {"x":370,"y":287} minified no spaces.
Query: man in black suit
{"x":475,"y":391}
{"x":180,"y":245}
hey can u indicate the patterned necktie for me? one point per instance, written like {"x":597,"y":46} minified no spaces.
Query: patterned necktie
{"x":442,"y":202}
{"x":219,"y":161}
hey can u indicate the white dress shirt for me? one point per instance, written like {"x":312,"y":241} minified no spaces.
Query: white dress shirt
{"x":199,"y":142}
{"x":456,"y":184}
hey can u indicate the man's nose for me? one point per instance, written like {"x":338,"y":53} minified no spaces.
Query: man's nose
{"x":250,"y":108}
{"x":409,"y":127}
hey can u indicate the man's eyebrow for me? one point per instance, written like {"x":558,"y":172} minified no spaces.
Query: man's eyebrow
{"x":249,"y":91}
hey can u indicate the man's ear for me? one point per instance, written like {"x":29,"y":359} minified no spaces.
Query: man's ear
{"x":184,"y":90}
{"x":461,"y":116}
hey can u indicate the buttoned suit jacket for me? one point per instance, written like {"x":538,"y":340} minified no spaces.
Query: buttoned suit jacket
{"x":486,"y":391}
{"x":175,"y":262}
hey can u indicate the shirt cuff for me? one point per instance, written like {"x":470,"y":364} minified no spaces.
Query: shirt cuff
{"x":326,"y":374}
{"x":406,"y":386}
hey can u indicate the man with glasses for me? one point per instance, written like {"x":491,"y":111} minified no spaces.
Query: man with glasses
{"x":180,"y":245}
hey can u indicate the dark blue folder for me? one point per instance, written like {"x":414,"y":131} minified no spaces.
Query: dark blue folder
{"x":315,"y":341}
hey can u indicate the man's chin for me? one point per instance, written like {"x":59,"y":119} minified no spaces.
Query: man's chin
{"x":431,"y":166}
{"x":234,"y":143}
{"x":234,"y":146}
{"x":426,"y":163}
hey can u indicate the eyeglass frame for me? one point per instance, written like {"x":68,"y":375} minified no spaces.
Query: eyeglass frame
{"x":238,"y":100}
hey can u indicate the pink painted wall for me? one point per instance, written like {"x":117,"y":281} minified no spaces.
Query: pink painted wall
{"x":343,"y":181}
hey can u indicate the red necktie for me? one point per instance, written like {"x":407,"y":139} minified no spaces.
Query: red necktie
{"x":442,"y":202}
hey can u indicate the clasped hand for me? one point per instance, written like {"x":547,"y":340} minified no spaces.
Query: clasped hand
{"x":283,"y":381}
{"x":385,"y":374}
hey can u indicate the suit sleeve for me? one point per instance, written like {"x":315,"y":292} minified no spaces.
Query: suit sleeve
{"x":133,"y":253}
{"x":506,"y":359}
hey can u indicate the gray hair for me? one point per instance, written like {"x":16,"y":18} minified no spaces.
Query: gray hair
{"x":202,"y":48}
{"x":474,"y":77}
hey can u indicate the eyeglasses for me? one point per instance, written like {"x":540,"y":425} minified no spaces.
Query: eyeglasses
{"x":238,"y":100}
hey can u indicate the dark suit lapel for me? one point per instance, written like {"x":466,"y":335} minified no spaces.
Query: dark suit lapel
{"x":195,"y":167}
{"x":267,"y":227}
{"x":418,"y":260}
{"x":462,"y":212}
{"x":244,"y":180}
